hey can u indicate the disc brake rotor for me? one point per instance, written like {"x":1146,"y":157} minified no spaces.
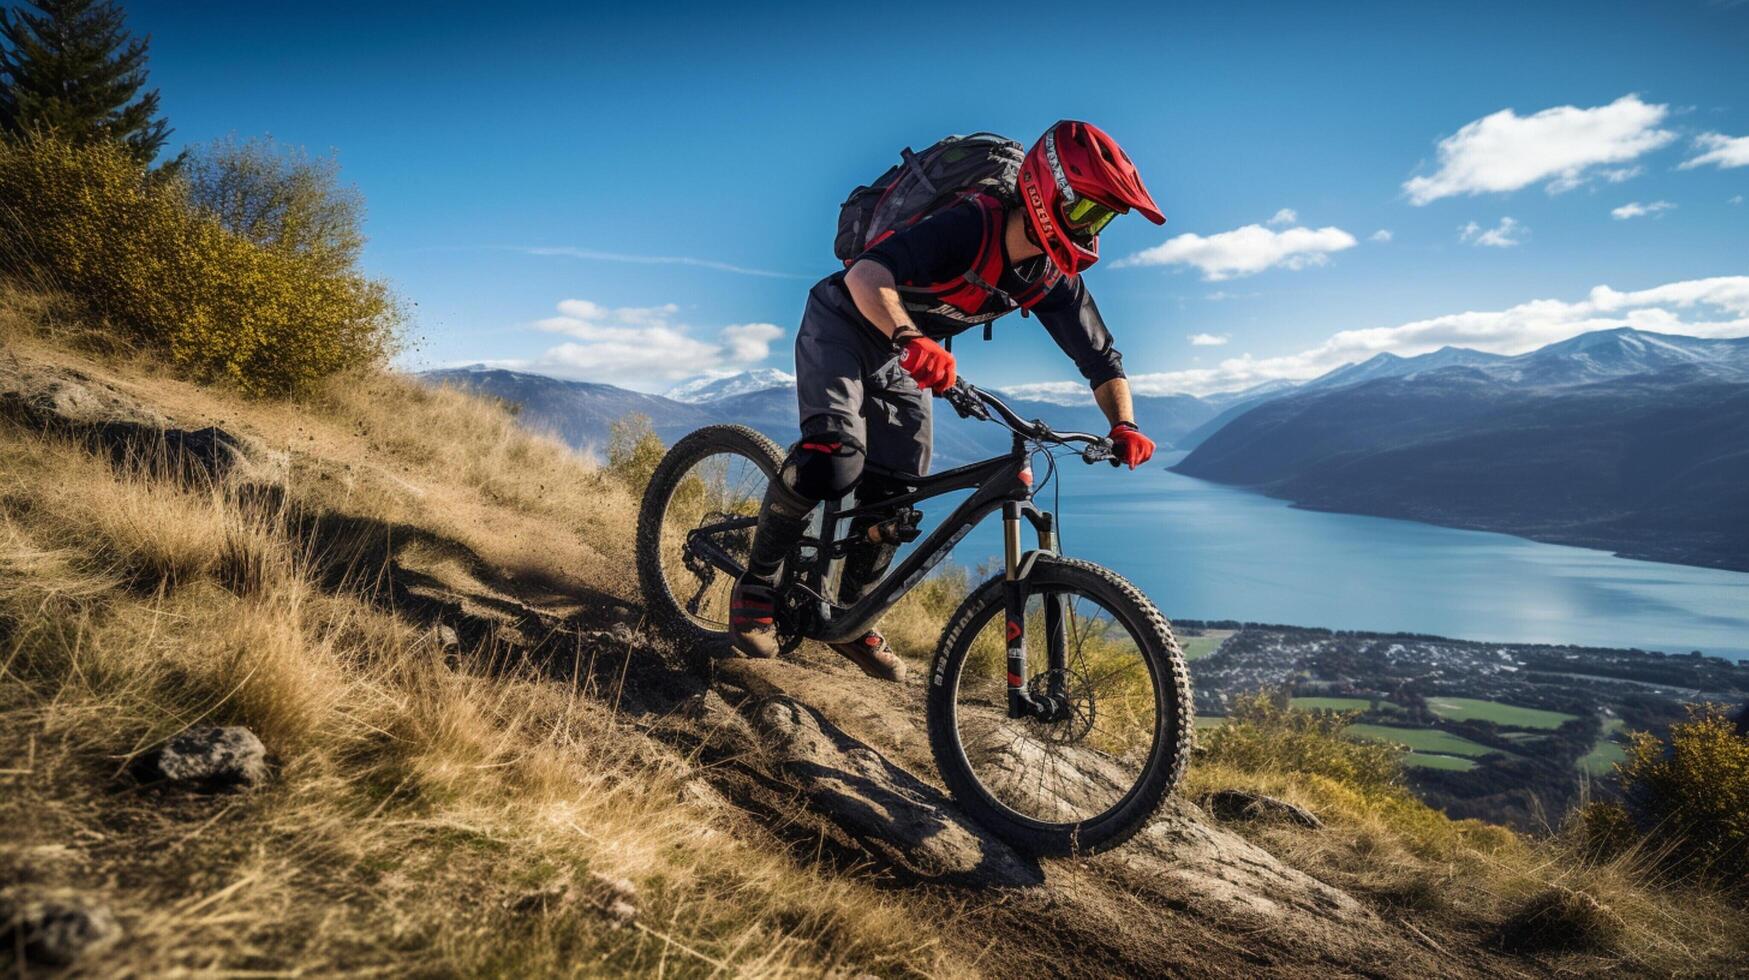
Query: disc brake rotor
{"x":1075,"y":703}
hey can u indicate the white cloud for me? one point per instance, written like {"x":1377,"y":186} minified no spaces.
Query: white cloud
{"x":594,"y":255}
{"x":1506,"y":234}
{"x":1717,"y":307}
{"x":1208,"y":339}
{"x":1734,"y":199}
{"x":1245,"y":251}
{"x":1619,"y":175}
{"x":1220,"y":295}
{"x":641,"y":346}
{"x":1634,"y":209}
{"x":1286,"y":216}
{"x":1505,"y":151}
{"x":1382,"y":235}
{"x":1723,"y":151}
{"x":750,"y":342}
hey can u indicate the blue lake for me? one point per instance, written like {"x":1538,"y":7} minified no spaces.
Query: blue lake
{"x":1206,"y":551}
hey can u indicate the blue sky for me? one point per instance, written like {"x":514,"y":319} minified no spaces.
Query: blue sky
{"x":510,"y":152}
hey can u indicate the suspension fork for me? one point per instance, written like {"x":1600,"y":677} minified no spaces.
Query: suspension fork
{"x":1021,"y":701}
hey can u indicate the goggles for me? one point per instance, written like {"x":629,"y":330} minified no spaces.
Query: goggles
{"x":1086,"y":218}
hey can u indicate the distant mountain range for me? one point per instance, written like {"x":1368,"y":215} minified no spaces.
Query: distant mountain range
{"x":713,"y":387}
{"x":1617,"y":439}
{"x":582,"y":412}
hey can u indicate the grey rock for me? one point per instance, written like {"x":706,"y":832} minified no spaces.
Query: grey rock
{"x":1238,"y":804}
{"x":67,"y":401}
{"x":58,"y":929}
{"x":46,"y":396}
{"x":898,"y":819}
{"x":615,"y":898}
{"x":1192,"y":863}
{"x":210,"y":758}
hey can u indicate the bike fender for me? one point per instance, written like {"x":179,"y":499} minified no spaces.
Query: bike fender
{"x":1023,"y":571}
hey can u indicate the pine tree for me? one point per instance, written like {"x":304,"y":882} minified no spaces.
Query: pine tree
{"x":72,"y":68}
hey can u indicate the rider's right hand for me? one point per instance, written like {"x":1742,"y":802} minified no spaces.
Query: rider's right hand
{"x":929,"y":363}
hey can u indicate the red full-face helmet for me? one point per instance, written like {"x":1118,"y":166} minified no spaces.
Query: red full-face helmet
{"x":1074,"y":180}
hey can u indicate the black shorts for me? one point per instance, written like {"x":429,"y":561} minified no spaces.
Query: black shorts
{"x":850,"y":388}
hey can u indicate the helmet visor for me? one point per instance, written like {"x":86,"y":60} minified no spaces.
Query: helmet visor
{"x":1086,"y":218}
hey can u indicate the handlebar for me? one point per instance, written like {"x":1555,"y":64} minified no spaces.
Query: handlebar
{"x":971,"y":401}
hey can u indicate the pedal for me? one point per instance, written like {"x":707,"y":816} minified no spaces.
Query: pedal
{"x":901,"y":528}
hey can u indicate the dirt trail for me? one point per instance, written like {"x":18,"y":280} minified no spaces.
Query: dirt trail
{"x":837,"y":767}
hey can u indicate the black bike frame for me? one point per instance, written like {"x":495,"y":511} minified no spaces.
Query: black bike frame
{"x":1002,"y":483}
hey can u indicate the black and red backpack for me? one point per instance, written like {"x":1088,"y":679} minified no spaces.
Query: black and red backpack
{"x":984,"y":167}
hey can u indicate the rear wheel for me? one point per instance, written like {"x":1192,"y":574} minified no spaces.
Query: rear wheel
{"x":1092,"y":778}
{"x":713,"y":478}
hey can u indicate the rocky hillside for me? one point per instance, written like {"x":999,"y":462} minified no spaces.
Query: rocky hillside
{"x":360,"y":684}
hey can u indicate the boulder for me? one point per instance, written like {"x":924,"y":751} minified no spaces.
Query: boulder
{"x":208,"y":759}
{"x":1201,"y":867}
{"x":1243,"y":805}
{"x":900,"y":821}
{"x":614,"y":899}
{"x":58,"y":928}
{"x":71,"y":403}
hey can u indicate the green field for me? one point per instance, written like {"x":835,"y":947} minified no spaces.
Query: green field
{"x":1209,"y":721}
{"x":1422,"y":740}
{"x":1606,"y":753}
{"x":1438,"y":762}
{"x":1339,"y":704}
{"x":1198,"y":647}
{"x":1472,"y":709}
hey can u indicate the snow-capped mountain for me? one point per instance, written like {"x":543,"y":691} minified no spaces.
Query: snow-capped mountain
{"x":710,"y":387}
{"x":1388,"y":365}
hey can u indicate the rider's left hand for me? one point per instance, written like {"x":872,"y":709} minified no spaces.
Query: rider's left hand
{"x":1130,"y":445}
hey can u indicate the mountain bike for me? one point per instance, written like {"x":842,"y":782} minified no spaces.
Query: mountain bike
{"x":1069,"y":752}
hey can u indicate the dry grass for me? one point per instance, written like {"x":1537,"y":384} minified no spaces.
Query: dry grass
{"x":413,"y":805}
{"x":1549,"y":897}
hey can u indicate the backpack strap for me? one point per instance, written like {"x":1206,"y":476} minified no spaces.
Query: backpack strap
{"x":977,"y":284}
{"x":916,"y":167}
{"x":988,"y":267}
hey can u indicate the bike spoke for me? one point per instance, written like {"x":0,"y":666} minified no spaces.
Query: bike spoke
{"x":718,"y":488}
{"x":1078,"y":767}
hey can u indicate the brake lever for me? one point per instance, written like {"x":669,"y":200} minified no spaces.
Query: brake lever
{"x":965,"y":403}
{"x":1101,"y":450}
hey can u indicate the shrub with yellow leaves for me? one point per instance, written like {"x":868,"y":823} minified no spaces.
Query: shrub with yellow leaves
{"x":89,"y":221}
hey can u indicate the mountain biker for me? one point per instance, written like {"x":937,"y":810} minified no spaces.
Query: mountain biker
{"x":867,"y":352}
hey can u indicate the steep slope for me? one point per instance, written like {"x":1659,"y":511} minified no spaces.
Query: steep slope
{"x":482,"y":762}
{"x":1653,"y":465}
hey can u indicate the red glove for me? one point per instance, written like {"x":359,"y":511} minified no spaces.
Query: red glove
{"x":928,"y":363}
{"x":1130,"y":445}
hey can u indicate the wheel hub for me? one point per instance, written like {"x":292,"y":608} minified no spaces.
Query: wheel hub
{"x":1062,"y":705}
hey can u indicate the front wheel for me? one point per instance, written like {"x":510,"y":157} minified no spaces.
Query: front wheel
{"x":1091,"y":778}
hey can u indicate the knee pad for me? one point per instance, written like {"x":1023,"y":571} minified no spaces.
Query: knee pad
{"x":823,"y":468}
